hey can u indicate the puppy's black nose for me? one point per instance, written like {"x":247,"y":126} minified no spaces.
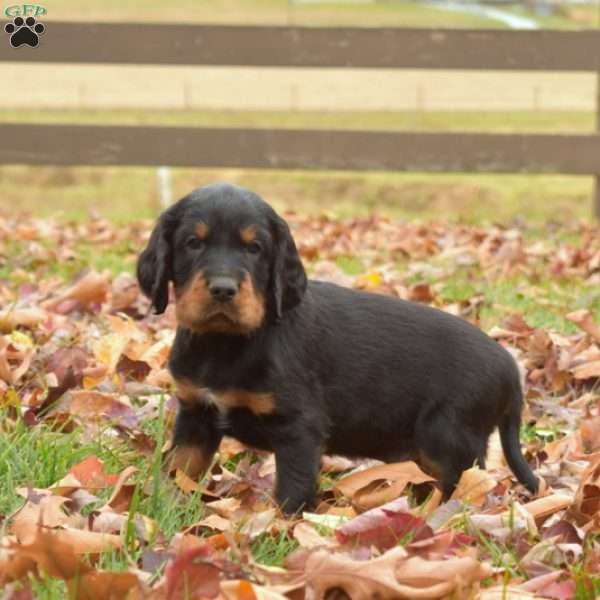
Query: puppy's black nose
{"x":223,"y":289}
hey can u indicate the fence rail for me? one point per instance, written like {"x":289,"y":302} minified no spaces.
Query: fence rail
{"x":352,"y":47}
{"x":299,"y":149}
{"x":307,"y":149}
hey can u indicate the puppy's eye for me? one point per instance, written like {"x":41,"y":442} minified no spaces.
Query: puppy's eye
{"x":194,"y":243}
{"x":253,"y":248}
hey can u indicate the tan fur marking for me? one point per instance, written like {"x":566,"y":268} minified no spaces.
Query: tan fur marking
{"x":248,"y":234}
{"x":259,"y":404}
{"x":251,"y":305}
{"x":189,"y":459}
{"x":188,"y":392}
{"x":201,"y":230}
{"x":193,"y":302}
{"x":190,"y":300}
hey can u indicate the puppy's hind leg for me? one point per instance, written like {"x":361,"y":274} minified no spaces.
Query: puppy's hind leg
{"x":446,"y":449}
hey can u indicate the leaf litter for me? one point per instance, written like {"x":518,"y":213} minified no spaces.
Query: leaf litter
{"x":82,"y":358}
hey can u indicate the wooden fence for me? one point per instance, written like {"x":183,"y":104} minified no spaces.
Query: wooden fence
{"x":391,"y":48}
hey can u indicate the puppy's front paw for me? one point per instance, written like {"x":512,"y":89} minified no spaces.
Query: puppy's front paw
{"x":192,"y":460}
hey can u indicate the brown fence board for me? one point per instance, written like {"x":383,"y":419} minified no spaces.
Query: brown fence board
{"x":312,"y":47}
{"x":299,"y":149}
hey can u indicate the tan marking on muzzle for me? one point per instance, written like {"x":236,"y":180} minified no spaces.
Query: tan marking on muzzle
{"x":189,"y":459}
{"x":248,"y":234}
{"x":201,"y":230}
{"x":245,"y":314}
{"x":191,"y":300}
{"x":251,"y":305}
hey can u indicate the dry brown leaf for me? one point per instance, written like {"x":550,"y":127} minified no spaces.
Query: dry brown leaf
{"x":506,"y":593}
{"x":185,"y":483}
{"x":230,"y":447}
{"x":66,"y":529}
{"x":308,"y":537}
{"x":584,"y":319}
{"x":336,"y":464}
{"x":47,"y":511}
{"x":540,"y":508}
{"x":259,"y":523}
{"x":13,"y":565}
{"x":495,"y":455}
{"x":92,"y":289}
{"x":587,"y":370}
{"x":377,"y":485}
{"x":473,"y":486}
{"x":11,"y":318}
{"x":103,"y":585}
{"x":55,"y":556}
{"x":226,"y":507}
{"x":589,"y":435}
{"x":244,"y":590}
{"x":122,"y":494}
{"x":391,"y":576}
{"x":214,"y":522}
{"x":587,"y":496}
{"x":383,"y":526}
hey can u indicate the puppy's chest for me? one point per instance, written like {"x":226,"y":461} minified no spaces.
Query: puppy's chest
{"x":190,"y":393}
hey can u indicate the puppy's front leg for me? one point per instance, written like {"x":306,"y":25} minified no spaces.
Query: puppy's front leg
{"x":196,"y":437}
{"x":297,"y":460}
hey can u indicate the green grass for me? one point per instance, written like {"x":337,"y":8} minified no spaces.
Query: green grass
{"x":40,"y":456}
{"x":124,"y":193}
{"x":272,"y":550}
{"x":563,"y":17}
{"x":545,"y":303}
{"x":274,"y":12}
{"x":440,"y":120}
{"x":283,"y":12}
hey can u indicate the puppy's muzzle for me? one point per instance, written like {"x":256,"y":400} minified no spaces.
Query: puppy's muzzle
{"x":223,"y":289}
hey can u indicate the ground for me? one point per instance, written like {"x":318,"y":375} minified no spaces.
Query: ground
{"x":87,"y":409}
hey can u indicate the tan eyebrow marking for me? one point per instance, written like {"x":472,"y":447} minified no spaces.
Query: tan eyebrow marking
{"x":248,"y":234}
{"x":201,"y":230}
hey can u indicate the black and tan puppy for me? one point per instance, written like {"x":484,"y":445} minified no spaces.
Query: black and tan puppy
{"x":305,"y":367}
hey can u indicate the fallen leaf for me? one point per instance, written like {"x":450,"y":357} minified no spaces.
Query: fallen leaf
{"x":384,"y":527}
{"x":473,"y":486}
{"x":393,"y":575}
{"x":192,"y":575}
{"x":378,"y":485}
{"x":308,"y":537}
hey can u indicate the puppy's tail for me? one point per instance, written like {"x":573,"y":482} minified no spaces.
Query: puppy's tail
{"x":509,"y":435}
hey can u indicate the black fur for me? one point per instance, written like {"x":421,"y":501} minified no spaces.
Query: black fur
{"x":352,"y":373}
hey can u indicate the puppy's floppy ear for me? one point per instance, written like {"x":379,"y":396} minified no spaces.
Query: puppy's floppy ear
{"x":154,"y":267}
{"x":288,"y":278}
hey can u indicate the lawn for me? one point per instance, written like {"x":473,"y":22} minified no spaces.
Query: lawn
{"x":274,"y":12}
{"x":87,"y":408}
{"x":391,"y":13}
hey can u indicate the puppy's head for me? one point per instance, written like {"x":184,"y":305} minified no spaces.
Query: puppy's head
{"x":231,"y":258}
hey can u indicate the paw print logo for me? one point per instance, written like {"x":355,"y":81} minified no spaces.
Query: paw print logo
{"x":24,"y":32}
